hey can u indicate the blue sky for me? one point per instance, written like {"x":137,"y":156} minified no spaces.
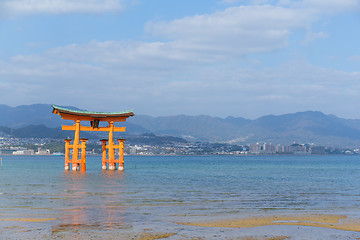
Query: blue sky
{"x":215,"y":57}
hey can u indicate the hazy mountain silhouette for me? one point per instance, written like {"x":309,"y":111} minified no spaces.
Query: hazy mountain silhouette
{"x":25,"y":115}
{"x":304,"y":127}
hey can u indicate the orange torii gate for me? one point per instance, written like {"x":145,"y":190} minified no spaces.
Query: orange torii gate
{"x":95,"y":118}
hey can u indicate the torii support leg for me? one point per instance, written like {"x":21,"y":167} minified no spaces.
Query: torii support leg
{"x":104,"y":141}
{"x":83,"y":154}
{"x":75,"y":159}
{"x":67,"y":153}
{"x":112,"y":164}
{"x":121,"y":154}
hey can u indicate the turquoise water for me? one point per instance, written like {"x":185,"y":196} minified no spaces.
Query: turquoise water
{"x":154,"y":193}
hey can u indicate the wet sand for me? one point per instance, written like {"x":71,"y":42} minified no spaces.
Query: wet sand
{"x":339,"y":222}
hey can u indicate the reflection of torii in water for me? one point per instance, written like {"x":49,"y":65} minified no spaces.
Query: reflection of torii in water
{"x":94,"y":118}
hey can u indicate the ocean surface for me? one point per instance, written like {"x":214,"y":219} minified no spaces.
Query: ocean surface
{"x":39,"y":200}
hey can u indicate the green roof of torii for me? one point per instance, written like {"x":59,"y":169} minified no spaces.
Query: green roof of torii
{"x":57,"y":109}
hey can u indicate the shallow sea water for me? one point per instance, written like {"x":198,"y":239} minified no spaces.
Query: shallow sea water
{"x":39,"y":200}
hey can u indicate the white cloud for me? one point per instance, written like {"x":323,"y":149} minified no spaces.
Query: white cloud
{"x":235,"y":31}
{"x":193,"y":67}
{"x":135,"y":76}
{"x":59,"y":6}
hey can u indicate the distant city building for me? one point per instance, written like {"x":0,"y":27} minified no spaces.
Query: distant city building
{"x":268,"y":148}
{"x":255,"y":148}
{"x":317,"y":150}
{"x":298,"y":148}
{"x":24,"y":152}
{"x":43,"y":151}
{"x":262,"y":148}
{"x":279,"y":148}
{"x":349,"y":152}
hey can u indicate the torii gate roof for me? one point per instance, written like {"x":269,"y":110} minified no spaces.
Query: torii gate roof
{"x":70,"y":114}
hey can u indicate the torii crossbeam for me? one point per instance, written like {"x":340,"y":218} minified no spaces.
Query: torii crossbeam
{"x":95,"y":118}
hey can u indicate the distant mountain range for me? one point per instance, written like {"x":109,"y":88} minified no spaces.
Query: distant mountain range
{"x":302,"y":127}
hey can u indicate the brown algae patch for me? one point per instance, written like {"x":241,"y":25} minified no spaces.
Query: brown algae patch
{"x":266,"y":238}
{"x":78,"y":227}
{"x":340,"y":222}
{"x":74,"y":226}
{"x":153,"y":236}
{"x":14,"y":227}
{"x":28,"y":219}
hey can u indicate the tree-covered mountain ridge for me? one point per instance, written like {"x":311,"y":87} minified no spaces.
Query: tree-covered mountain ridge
{"x":302,"y":127}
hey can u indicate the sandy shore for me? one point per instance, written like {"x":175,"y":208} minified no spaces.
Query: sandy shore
{"x":340,"y":222}
{"x":261,"y":227}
